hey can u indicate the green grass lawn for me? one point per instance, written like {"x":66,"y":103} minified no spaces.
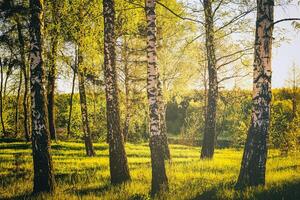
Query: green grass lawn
{"x":81,"y":177}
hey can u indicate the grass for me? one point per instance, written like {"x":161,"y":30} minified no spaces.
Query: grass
{"x":81,"y":177}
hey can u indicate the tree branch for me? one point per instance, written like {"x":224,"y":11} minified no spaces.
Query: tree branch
{"x":179,"y":16}
{"x":234,"y":53}
{"x":283,"y":20}
{"x":218,"y":6}
{"x":236,"y":18}
{"x":233,"y":76}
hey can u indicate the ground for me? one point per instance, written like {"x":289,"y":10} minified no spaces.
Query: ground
{"x":81,"y":177}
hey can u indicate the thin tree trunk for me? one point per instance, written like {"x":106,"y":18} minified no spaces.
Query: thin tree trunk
{"x":83,"y":105}
{"x":25,"y":74}
{"x":159,"y":177}
{"x":52,"y":72}
{"x":25,"y":104}
{"x":162,"y":120}
{"x":208,"y":145}
{"x":126,"y":126}
{"x":8,"y":73}
{"x":42,"y":161}
{"x":205,"y":91}
{"x":1,"y":100}
{"x":17,"y":105}
{"x":127,"y":91}
{"x":119,"y":171}
{"x":253,"y":165}
{"x":51,"y":89}
{"x":71,"y":99}
{"x":94,"y":104}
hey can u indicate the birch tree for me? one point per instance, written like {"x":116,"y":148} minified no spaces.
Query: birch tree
{"x":253,"y":167}
{"x":119,"y":171}
{"x":159,"y":177}
{"x":207,"y":150}
{"x":162,"y":121}
{"x":42,"y":161}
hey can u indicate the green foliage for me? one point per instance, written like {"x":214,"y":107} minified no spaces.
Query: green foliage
{"x":187,"y":116}
{"x":281,"y":118}
{"x":184,"y":115}
{"x":284,"y":128}
{"x":175,"y":116}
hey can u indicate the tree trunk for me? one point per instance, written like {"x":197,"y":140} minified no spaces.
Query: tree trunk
{"x":25,"y":74}
{"x":71,"y":98}
{"x":51,"y":88}
{"x":159,"y":177}
{"x":119,"y":171}
{"x":1,"y":100}
{"x":162,"y":120}
{"x":43,"y":169}
{"x":94,"y":105}
{"x":25,"y":104}
{"x":8,"y":73}
{"x":253,"y":165}
{"x":52,"y":71}
{"x":205,"y":92}
{"x":17,"y":105}
{"x":127,"y":105}
{"x":208,"y":145}
{"x":127,"y":91}
{"x":83,"y":105}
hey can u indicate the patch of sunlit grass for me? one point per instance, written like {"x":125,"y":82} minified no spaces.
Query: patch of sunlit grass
{"x":78,"y":176}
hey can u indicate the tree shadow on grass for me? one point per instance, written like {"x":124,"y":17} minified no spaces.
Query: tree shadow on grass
{"x":6,"y":180}
{"x":139,"y":197}
{"x":25,"y":196}
{"x":85,"y":175}
{"x":19,"y":197}
{"x":285,"y":191}
{"x":18,"y":146}
{"x":59,"y":146}
{"x":92,"y":190}
{"x":10,"y":140}
{"x":207,"y":195}
{"x":292,"y":167}
{"x":212,"y":192}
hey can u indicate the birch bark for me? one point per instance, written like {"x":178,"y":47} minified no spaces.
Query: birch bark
{"x":253,"y":167}
{"x":42,"y":161}
{"x":119,"y":171}
{"x":159,"y":177}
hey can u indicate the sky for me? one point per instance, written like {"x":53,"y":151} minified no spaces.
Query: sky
{"x":286,"y":47}
{"x":288,"y":51}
